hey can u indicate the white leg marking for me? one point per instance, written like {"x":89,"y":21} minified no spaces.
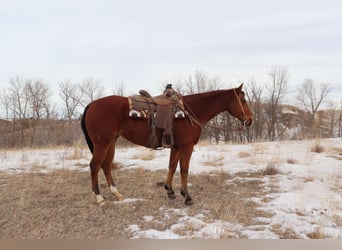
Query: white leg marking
{"x":116,"y":192}
{"x":100,"y":200}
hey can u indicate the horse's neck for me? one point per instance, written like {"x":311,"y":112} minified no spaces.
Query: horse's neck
{"x":206,"y":106}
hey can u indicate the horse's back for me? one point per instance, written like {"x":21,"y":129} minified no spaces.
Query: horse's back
{"x":105,"y":115}
{"x":111,"y":100}
{"x":109,"y":105}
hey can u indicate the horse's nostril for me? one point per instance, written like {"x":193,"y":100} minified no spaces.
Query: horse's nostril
{"x":248,"y":122}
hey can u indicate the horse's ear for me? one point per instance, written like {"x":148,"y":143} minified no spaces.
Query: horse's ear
{"x":240,"y":87}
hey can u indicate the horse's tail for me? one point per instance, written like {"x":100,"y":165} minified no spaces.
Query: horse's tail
{"x":85,"y":131}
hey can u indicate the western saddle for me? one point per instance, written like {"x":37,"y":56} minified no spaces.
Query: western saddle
{"x":159,"y":112}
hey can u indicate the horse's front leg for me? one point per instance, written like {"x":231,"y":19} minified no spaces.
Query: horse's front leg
{"x":174,"y":158}
{"x":184,"y":166}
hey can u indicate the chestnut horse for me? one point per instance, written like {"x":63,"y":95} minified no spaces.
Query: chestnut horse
{"x":105,"y":119}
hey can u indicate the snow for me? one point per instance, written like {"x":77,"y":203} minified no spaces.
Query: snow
{"x":310,"y":184}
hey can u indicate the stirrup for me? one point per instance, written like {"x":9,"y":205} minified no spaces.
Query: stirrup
{"x":167,"y":141}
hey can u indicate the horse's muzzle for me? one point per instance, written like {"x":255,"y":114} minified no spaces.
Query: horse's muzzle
{"x":247,"y":122}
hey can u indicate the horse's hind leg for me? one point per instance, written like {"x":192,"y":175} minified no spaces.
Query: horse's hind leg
{"x":107,"y":169}
{"x":95,"y":165}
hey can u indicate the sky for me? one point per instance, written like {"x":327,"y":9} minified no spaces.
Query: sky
{"x":146,"y":43}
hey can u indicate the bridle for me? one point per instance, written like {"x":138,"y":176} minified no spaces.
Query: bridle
{"x":193,"y":119}
{"x":244,"y":119}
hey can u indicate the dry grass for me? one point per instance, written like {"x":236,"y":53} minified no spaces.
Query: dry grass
{"x":259,"y":148}
{"x":291,"y":161}
{"x":213,"y":161}
{"x":148,"y":155}
{"x":204,"y":143}
{"x":271,"y":169}
{"x":284,"y":234}
{"x":145,"y":155}
{"x":317,"y":148}
{"x":337,"y":183}
{"x":77,"y":153}
{"x":337,"y":220}
{"x":244,"y":154}
{"x":317,"y":234}
{"x":335,"y":152}
{"x":60,"y":205}
{"x":309,"y":179}
{"x":38,"y":167}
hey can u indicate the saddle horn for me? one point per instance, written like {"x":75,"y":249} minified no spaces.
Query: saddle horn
{"x":145,"y":93}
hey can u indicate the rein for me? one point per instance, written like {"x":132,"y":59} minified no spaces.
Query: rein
{"x":210,"y":132}
{"x":243,"y":110}
{"x":193,"y":118}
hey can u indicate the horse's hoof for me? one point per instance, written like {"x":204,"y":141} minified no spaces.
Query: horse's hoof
{"x":115,"y":192}
{"x":100,"y":200}
{"x":188,"y":202}
{"x":183,"y":193}
{"x":171,"y":196}
{"x":102,"y":203}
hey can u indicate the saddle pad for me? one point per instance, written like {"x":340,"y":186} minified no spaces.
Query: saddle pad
{"x":142,"y":114}
{"x":139,"y":108}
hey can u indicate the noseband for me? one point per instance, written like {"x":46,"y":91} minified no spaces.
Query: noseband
{"x":242,"y":109}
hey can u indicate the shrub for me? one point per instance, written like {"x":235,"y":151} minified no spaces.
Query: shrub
{"x":317,"y":148}
{"x":271,"y":169}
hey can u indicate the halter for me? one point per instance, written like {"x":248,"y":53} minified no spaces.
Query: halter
{"x":242,"y":109}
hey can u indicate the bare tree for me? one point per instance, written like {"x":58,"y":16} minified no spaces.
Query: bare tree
{"x":339,"y":121}
{"x":71,"y":97}
{"x":15,"y":100}
{"x":332,"y":119}
{"x":275,"y":93}
{"x":17,"y":97}
{"x":190,"y":85}
{"x":310,"y":98}
{"x":120,"y":89}
{"x":255,"y":96}
{"x":38,"y":94}
{"x":197,"y":83}
{"x":200,"y":82}
{"x":91,"y":89}
{"x":5,"y":101}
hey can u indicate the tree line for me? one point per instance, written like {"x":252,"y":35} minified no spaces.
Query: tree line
{"x":273,"y":118}
{"x":31,"y":98}
{"x":32,"y":119}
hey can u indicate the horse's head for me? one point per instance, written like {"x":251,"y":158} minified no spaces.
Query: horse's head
{"x":239,"y":108}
